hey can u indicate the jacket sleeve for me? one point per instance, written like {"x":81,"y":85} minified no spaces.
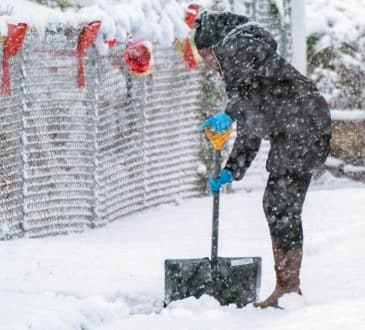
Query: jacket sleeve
{"x":244,"y":151}
{"x":238,"y":105}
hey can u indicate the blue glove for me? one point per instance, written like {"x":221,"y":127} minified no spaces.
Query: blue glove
{"x":225,"y":176}
{"x":218,"y":123}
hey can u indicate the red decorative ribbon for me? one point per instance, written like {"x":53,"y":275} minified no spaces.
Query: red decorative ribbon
{"x":138,"y":57}
{"x":86,"y":38}
{"x":190,"y":57}
{"x":12,"y":45}
{"x":191,"y":62}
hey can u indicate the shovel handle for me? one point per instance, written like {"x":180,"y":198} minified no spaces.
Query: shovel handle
{"x":217,"y":141}
{"x":215,"y":218}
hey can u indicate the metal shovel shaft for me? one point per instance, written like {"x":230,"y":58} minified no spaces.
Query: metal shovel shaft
{"x":215,"y":222}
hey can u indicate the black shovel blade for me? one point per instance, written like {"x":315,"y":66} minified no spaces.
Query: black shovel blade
{"x":230,"y":281}
{"x":236,"y":280}
{"x":186,"y":278}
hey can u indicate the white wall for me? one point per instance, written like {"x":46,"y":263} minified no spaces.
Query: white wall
{"x":299,"y":36}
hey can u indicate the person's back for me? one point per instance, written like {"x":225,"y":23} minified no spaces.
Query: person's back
{"x":273,"y":100}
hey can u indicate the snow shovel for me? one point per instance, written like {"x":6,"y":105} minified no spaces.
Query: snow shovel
{"x":228,"y":280}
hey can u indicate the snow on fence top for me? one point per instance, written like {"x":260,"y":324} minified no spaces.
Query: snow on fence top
{"x":159,"y":21}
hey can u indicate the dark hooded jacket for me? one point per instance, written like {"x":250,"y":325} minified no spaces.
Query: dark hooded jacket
{"x":267,"y":96}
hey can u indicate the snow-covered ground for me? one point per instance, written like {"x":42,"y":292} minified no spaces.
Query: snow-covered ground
{"x":113,"y":277}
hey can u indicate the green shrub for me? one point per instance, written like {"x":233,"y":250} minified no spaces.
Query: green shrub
{"x":338,"y":69}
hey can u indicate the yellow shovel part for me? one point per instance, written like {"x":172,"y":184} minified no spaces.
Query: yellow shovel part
{"x":218,"y":140}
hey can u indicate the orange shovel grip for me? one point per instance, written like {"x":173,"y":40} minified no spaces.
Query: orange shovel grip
{"x":218,"y":140}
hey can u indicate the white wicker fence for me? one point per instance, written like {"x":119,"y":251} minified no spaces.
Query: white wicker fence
{"x":74,"y":159}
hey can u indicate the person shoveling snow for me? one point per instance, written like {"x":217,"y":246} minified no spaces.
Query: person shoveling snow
{"x":269,"y":99}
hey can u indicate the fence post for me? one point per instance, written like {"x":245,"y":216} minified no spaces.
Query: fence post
{"x":23,"y":158}
{"x":146,"y":86}
{"x":294,"y":11}
{"x":95,"y":107}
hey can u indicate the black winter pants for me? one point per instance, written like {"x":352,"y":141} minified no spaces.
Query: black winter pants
{"x":283,"y":201}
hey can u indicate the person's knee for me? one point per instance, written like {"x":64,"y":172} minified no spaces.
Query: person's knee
{"x":286,"y":233}
{"x":282,"y":205}
{"x":270,"y":209}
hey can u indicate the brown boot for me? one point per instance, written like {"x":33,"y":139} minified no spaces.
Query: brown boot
{"x":287,"y":269}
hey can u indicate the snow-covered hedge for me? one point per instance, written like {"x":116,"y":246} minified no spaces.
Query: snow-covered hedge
{"x":336,"y":58}
{"x":336,"y":50}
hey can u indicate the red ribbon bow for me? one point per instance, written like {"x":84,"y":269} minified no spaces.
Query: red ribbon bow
{"x":111,"y":42}
{"x":138,"y":57}
{"x":86,"y":38}
{"x":12,"y":45}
